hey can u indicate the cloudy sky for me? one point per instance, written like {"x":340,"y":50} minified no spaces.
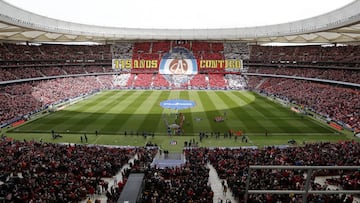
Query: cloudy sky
{"x":181,"y":14}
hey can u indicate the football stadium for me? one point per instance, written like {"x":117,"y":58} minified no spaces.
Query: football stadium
{"x":256,"y":114}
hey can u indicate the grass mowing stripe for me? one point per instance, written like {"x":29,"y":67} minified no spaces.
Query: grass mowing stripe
{"x":303,"y":123}
{"x":95,"y":104}
{"x":100,"y":102}
{"x":246,"y":114}
{"x":292,"y":122}
{"x":141,"y":111}
{"x":275,"y":115}
{"x":174,"y":95}
{"x":161,"y":128}
{"x":168,"y":116}
{"x":99,"y":114}
{"x":89,"y":102}
{"x":292,"y":119}
{"x":58,"y":118}
{"x":320,"y":127}
{"x":150,"y":109}
{"x":271,"y":105}
{"x":201,"y":122}
{"x":282,"y":117}
{"x":220,"y":107}
{"x":232,"y":112}
{"x":80,"y":121}
{"x":188,"y":127}
{"x":124,"y":117}
{"x":251,"y":120}
{"x":126,"y":104}
{"x":250,"y":103}
{"x":211,"y":112}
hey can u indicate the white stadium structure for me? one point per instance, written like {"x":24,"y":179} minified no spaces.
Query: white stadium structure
{"x":339,"y":26}
{"x":47,"y":64}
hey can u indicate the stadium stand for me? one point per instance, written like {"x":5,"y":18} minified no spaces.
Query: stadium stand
{"x":160,"y":82}
{"x":344,"y":75}
{"x":187,"y":182}
{"x":53,"y":172}
{"x":30,"y":54}
{"x":122,"y":50}
{"x":337,"y":103}
{"x":143,"y":81}
{"x":217,"y":81}
{"x":161,"y":47}
{"x":338,"y":63}
{"x":15,"y":73}
{"x":199,"y":81}
{"x":121,"y":80}
{"x":232,"y":165}
{"x":321,"y":81}
{"x":179,"y":81}
{"x":23,"y":99}
{"x":236,"y":50}
{"x":236,"y":81}
{"x":315,"y":55}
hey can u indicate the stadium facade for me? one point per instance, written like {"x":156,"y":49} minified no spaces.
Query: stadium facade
{"x":338,"y":26}
{"x":37,"y":74}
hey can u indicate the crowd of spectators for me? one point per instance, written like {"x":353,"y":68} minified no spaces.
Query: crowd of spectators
{"x":70,"y":173}
{"x":156,"y":50}
{"x":312,"y":95}
{"x":122,"y":50}
{"x":344,"y":75}
{"x":189,"y":182}
{"x":201,"y":50}
{"x":178,"y":81}
{"x":186,"y":183}
{"x":161,"y":46}
{"x":121,"y":80}
{"x":232,"y":165}
{"x":236,"y":50}
{"x":143,"y":81}
{"x":347,"y":181}
{"x":20,"y":99}
{"x":217,"y":81}
{"x":20,"y":53}
{"x":159,"y":82}
{"x":45,"y":172}
{"x":41,"y":170}
{"x":17,"y":101}
{"x":335,"y":102}
{"x":199,"y":81}
{"x":315,"y":54}
{"x":236,"y":81}
{"x":16,"y":73}
{"x":207,"y":50}
{"x":52,"y":91}
{"x":143,"y":156}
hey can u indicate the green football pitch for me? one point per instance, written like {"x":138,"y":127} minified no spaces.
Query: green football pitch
{"x":112,"y":113}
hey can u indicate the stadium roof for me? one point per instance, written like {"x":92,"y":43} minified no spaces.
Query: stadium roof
{"x":339,"y":26}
